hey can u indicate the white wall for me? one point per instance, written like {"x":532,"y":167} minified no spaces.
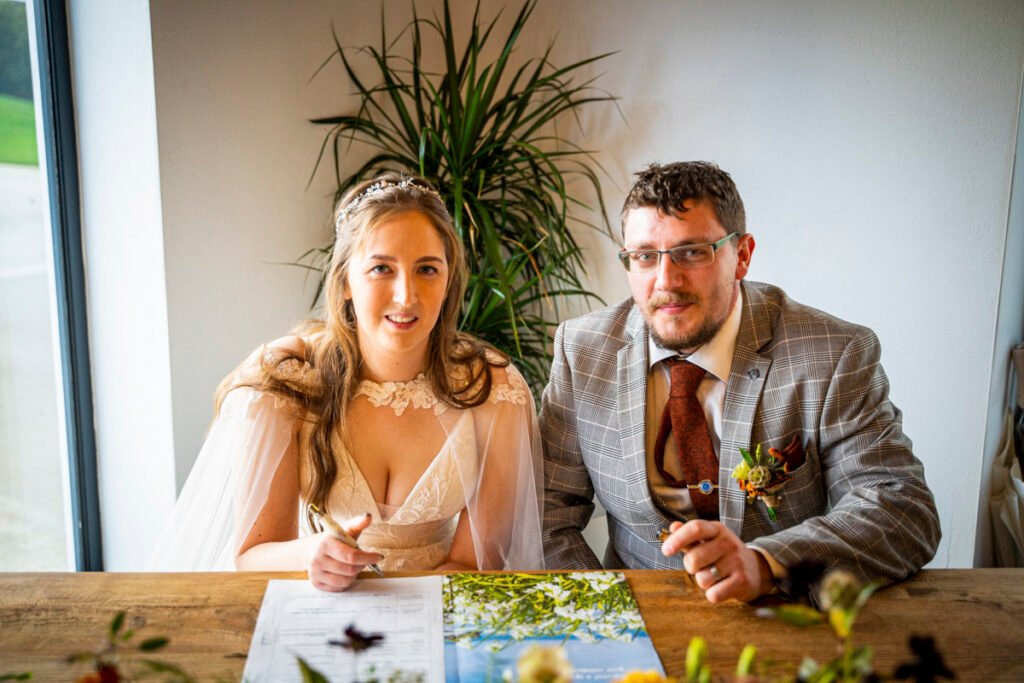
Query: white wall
{"x":872,"y":142}
{"x":124,"y":264}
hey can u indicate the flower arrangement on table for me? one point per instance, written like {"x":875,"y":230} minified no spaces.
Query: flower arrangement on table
{"x":119,"y":659}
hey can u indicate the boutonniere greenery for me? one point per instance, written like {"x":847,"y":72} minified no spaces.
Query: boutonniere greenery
{"x":762,"y":475}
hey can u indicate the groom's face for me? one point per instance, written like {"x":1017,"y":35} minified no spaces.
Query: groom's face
{"x":685,"y":307}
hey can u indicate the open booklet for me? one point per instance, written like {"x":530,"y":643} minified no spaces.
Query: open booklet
{"x":459,"y":628}
{"x":492,"y":620}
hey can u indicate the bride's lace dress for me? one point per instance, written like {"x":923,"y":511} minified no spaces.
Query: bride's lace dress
{"x":417,"y":533}
{"x":485,"y":468}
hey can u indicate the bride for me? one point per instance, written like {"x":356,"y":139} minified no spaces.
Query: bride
{"x":418,"y":439}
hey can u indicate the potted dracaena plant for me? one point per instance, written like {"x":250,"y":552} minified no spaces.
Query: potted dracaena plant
{"x":486,"y":134}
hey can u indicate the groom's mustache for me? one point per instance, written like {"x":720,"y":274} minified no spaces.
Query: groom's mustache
{"x":666,"y":298}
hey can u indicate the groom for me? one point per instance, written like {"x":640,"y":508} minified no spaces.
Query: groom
{"x":651,"y":401}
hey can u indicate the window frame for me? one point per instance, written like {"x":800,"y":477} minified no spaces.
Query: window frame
{"x":61,"y":154}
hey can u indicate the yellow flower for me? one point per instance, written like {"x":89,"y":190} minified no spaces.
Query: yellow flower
{"x":742,"y":471}
{"x":645,"y":677}
{"x":544,"y":665}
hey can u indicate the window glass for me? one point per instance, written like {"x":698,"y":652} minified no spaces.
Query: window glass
{"x":33,"y":464}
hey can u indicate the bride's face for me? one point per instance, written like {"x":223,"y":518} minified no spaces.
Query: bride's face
{"x":397,"y":283}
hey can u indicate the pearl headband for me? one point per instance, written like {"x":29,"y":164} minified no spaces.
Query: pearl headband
{"x":378,"y":188}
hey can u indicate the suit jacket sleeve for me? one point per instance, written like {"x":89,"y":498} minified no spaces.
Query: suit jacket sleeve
{"x":880,"y":520}
{"x":568,"y":491}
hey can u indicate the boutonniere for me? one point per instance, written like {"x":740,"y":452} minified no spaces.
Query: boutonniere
{"x":763,"y":474}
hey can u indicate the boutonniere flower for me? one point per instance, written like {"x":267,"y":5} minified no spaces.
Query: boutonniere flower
{"x":762,"y":475}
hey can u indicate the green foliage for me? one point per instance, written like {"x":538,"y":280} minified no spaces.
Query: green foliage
{"x":15,"y":65}
{"x":853,"y":667}
{"x":486,"y":134}
{"x":797,"y":615}
{"x":842,"y":617}
{"x":116,"y":624}
{"x":152,"y":644}
{"x":840,"y":597}
{"x":745,"y":664}
{"x":116,"y":660}
{"x":174,"y":672}
{"x":17,"y":132}
{"x":696,"y":670}
{"x":309,"y":674}
{"x":17,"y":118}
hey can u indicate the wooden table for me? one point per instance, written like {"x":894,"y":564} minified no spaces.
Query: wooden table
{"x":976,"y":616}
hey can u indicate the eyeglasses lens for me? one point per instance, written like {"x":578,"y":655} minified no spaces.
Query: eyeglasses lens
{"x":686,"y":256}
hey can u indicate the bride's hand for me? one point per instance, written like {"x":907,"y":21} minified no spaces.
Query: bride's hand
{"x":332,"y":565}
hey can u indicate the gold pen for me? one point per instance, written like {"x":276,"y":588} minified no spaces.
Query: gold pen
{"x":329,"y":525}
{"x":663,"y":535}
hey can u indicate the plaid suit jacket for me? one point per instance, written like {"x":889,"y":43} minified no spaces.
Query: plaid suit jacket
{"x":859,"y":501}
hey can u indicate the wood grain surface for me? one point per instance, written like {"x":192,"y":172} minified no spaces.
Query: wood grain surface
{"x":975,"y":615}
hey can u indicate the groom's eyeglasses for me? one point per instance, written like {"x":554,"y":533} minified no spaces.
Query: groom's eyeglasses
{"x":684,"y":256}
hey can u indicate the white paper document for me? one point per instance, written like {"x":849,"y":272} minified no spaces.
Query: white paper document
{"x":297,"y":620}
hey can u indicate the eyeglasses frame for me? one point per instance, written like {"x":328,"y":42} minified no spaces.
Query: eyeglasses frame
{"x":715,"y":246}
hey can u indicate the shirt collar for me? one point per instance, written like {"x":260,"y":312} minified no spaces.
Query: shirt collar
{"x":716,"y":355}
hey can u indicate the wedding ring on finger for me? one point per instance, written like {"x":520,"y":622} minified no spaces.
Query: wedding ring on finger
{"x":715,"y":574}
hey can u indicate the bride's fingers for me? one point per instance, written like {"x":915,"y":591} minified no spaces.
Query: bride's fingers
{"x":355,"y":525}
{"x":336,"y":550}
{"x":330,"y":573}
{"x":334,"y":563}
{"x":328,"y":581}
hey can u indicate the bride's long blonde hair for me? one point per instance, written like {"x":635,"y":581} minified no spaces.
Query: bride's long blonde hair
{"x":458,"y":365}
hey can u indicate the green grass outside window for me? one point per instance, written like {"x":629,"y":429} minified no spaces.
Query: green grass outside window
{"x":17,"y":132}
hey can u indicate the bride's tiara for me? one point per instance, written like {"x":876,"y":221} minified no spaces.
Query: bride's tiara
{"x":377,"y":188}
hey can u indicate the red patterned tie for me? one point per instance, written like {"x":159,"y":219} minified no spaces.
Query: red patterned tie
{"x":684,"y":417}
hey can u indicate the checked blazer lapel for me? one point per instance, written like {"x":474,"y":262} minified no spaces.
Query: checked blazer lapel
{"x":632,"y":411}
{"x":742,"y":396}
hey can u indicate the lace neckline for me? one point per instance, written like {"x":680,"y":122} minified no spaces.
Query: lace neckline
{"x":417,"y":392}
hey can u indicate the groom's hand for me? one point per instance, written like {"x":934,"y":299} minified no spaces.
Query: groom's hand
{"x":721,"y":564}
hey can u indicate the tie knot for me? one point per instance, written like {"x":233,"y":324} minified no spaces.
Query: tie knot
{"x":685,"y":377}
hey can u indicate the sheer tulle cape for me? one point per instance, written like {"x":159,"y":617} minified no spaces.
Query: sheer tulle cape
{"x":230,"y":482}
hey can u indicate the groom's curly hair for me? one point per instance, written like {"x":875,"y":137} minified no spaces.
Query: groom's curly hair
{"x":666,"y":187}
